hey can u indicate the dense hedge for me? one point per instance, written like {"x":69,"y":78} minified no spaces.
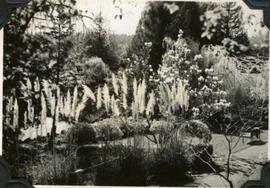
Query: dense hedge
{"x":86,"y":133}
{"x":106,"y":130}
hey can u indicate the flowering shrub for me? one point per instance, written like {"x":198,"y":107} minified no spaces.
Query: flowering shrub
{"x":213,"y":54}
{"x":204,"y":87}
{"x":138,"y":66}
{"x":131,"y":127}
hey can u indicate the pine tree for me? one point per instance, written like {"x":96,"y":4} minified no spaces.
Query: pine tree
{"x":99,"y":44}
{"x":59,"y":30}
{"x":224,"y":21}
{"x":231,"y":20}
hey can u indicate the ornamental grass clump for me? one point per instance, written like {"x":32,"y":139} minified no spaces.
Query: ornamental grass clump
{"x":173,"y":99}
{"x":68,"y":106}
{"x":133,"y":166}
{"x":139,"y":101}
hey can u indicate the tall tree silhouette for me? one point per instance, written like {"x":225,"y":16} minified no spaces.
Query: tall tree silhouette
{"x":164,"y":19}
{"x":99,"y":44}
{"x":224,"y":20}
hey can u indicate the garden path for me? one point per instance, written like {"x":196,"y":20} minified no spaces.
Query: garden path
{"x":246,"y":164}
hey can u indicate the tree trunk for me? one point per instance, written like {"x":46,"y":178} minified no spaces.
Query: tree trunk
{"x":230,"y":183}
{"x":53,"y":130}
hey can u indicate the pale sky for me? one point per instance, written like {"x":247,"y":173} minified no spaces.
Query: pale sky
{"x":131,"y":13}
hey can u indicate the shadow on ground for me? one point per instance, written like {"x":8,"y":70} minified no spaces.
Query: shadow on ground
{"x":257,"y":142}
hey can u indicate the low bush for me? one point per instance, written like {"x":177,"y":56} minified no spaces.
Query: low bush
{"x":162,"y":129}
{"x":137,"y":167}
{"x":117,"y":128}
{"x":192,"y":129}
{"x":124,"y":166}
{"x":82,"y":133}
{"x":196,"y":137}
{"x":109,"y":129}
{"x":94,"y":71}
{"x":158,"y":127}
{"x":138,"y":127}
{"x":90,"y":113}
{"x":167,"y":165}
{"x":170,"y":165}
{"x":197,"y":129}
{"x":48,"y":170}
{"x":86,"y":133}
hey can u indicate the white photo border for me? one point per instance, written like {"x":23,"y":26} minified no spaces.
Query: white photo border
{"x":1,"y":89}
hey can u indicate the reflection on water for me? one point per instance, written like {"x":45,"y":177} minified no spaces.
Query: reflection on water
{"x":33,"y":132}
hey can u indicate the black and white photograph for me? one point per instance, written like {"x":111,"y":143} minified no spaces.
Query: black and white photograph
{"x":135,"y":93}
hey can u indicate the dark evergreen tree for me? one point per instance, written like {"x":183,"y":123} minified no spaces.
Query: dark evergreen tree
{"x":224,"y":21}
{"x":98,"y":44}
{"x":187,"y":19}
{"x":58,"y":31}
{"x":164,"y":19}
